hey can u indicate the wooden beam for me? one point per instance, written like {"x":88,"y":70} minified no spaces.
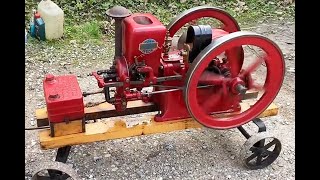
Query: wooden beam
{"x":105,"y":110}
{"x":100,"y":131}
{"x":63,"y":129}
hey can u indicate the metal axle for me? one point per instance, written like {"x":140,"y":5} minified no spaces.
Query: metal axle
{"x":257,"y":121}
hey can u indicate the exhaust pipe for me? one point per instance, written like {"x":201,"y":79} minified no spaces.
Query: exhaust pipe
{"x":118,"y":13}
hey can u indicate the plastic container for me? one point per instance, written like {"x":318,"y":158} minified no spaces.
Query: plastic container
{"x":53,"y":18}
{"x":40,"y":29}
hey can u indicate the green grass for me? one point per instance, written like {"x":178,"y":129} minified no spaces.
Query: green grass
{"x":84,"y":19}
{"x":87,"y":31}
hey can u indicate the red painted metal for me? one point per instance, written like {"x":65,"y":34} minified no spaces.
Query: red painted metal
{"x":216,"y":33}
{"x":143,"y":37}
{"x":172,"y":65}
{"x":63,"y":97}
{"x":275,"y":73}
{"x":150,"y":78}
{"x":172,"y":105}
{"x":236,"y":81}
{"x":99,"y":79}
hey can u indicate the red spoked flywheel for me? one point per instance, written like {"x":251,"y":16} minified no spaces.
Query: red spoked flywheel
{"x":270,"y":58}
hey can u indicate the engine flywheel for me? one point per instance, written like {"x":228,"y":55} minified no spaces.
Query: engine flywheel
{"x":266,"y":56}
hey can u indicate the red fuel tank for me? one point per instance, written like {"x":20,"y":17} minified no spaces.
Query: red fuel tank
{"x":63,"y":97}
{"x":143,"y":37}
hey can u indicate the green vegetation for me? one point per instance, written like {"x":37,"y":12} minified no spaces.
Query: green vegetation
{"x":88,"y":30}
{"x":86,"y":20}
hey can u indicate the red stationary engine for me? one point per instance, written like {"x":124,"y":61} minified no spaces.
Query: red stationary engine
{"x":201,"y":73}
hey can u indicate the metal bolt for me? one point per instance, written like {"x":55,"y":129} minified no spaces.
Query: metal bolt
{"x":241,"y":89}
{"x":127,"y":80}
{"x":124,"y":103}
{"x":49,"y":77}
{"x":127,"y":89}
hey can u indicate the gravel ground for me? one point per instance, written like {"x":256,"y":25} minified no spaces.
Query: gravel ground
{"x":189,"y":154}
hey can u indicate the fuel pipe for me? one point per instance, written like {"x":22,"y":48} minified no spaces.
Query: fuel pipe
{"x":85,"y":94}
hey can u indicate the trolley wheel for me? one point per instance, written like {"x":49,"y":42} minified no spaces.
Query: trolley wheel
{"x":260,"y":150}
{"x":54,"y":170}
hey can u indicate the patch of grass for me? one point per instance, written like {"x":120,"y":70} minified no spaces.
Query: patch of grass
{"x":91,"y":31}
{"x":85,"y":19}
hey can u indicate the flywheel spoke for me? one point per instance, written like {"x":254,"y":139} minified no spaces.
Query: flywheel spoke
{"x":257,"y":87}
{"x":254,"y":66}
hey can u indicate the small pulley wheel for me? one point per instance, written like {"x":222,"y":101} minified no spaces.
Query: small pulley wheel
{"x":260,"y":150}
{"x":53,"y":170}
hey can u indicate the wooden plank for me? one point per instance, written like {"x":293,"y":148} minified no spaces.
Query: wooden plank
{"x":63,"y":128}
{"x":272,"y":110}
{"x":100,"y":131}
{"x":105,"y":110}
